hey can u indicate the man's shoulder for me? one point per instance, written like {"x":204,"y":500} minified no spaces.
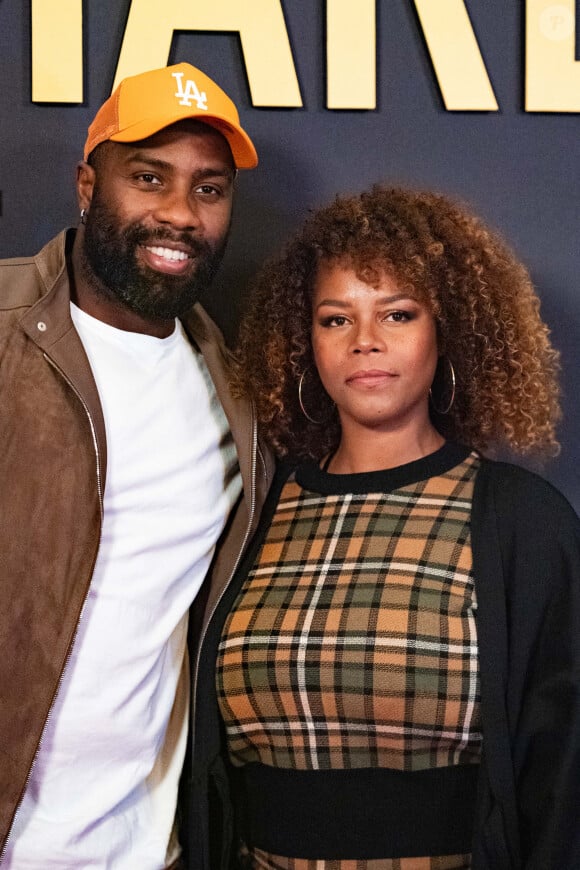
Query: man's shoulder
{"x":206,"y":334}
{"x":23,"y":280}
{"x":200,"y":321}
{"x":18,"y":287}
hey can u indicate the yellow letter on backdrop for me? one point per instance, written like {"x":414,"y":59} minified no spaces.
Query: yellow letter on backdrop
{"x":459,"y":66}
{"x":260,"y":23}
{"x":57,"y":51}
{"x":351,"y":47}
{"x":552,"y":72}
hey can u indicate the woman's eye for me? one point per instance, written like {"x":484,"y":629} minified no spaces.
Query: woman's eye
{"x":334,"y":320}
{"x":398,"y":316}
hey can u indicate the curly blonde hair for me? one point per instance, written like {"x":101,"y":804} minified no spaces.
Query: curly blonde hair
{"x":486,"y":310}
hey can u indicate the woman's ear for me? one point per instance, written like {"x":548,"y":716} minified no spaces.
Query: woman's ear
{"x":441,"y":343}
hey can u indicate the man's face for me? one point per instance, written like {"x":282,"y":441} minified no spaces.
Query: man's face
{"x":158,"y":219}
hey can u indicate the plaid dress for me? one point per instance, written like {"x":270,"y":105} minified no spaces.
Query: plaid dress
{"x":352,"y":643}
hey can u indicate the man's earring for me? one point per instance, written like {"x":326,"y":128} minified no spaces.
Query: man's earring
{"x":83,"y":215}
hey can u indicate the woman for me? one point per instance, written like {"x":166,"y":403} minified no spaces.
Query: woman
{"x":390,"y":681}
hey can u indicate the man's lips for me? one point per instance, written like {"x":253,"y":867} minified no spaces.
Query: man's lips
{"x":168,"y":259}
{"x":370,"y":377}
{"x":168,"y":253}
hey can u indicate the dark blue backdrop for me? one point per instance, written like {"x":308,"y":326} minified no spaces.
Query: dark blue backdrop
{"x":519,"y":170}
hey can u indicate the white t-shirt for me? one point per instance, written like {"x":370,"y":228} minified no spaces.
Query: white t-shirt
{"x":103,"y":789}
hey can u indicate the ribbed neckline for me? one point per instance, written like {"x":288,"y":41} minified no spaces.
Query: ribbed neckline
{"x":310,"y":476}
{"x":123,"y":337}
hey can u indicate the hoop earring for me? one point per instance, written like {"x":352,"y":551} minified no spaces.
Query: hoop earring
{"x":301,"y":403}
{"x":446,"y":410}
{"x":83,"y":215}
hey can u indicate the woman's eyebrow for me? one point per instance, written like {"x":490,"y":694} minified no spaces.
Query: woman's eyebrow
{"x":382,"y":300}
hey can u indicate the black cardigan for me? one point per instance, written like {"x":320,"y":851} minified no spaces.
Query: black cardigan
{"x":526,"y":561}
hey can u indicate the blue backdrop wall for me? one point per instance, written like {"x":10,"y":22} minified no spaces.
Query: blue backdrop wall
{"x":518,"y":169}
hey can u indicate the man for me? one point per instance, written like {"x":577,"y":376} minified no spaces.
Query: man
{"x":122,"y":462}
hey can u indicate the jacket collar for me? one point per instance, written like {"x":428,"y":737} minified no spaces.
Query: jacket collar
{"x":205,"y":334}
{"x":49,"y":325}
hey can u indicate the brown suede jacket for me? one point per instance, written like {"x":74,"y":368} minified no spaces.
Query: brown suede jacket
{"x":53,"y":462}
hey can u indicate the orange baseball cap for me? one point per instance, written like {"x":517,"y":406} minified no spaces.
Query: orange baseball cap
{"x":144,"y":104}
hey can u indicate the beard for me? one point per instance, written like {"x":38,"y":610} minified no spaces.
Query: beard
{"x":109,"y":251}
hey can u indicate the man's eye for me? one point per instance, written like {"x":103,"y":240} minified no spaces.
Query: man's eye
{"x":148,"y":178}
{"x":208,"y":190}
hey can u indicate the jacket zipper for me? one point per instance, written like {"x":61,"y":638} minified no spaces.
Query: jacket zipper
{"x":229,"y":579}
{"x":91,"y":424}
{"x":69,"y":651}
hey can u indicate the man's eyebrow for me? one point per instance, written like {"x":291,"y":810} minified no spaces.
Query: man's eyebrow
{"x":144,"y":159}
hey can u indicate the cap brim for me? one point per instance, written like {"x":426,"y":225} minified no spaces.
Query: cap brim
{"x":242,"y":147}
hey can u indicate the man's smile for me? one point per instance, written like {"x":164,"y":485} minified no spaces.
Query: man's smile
{"x":171,"y":261}
{"x":168,"y":253}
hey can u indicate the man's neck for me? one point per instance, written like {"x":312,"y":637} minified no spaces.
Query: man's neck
{"x":90,"y":296}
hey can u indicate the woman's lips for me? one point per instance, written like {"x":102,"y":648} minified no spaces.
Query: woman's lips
{"x":370,"y":378}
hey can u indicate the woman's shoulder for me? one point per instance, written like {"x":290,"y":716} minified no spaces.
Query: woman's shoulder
{"x":525,"y":531}
{"x":517,"y":492}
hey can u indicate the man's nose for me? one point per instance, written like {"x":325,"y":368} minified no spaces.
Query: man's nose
{"x":179,"y":208}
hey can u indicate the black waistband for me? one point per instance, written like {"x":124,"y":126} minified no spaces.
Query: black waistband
{"x":356,"y":814}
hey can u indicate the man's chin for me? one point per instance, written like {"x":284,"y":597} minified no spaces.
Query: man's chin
{"x":162,"y":309}
{"x":160,"y":295}
{"x":134,"y":285}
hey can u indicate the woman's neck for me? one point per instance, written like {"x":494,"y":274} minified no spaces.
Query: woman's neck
{"x":374,"y":451}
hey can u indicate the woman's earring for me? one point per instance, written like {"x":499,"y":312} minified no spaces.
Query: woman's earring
{"x":301,"y":402}
{"x":449,"y":405}
{"x":83,"y":215}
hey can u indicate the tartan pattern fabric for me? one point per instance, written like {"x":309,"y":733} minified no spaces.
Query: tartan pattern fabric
{"x":353,"y":641}
{"x":262,"y":861}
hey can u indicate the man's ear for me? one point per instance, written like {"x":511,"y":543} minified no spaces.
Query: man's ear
{"x":86,"y":177}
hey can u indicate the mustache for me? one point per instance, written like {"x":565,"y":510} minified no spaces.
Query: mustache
{"x":140,"y":235}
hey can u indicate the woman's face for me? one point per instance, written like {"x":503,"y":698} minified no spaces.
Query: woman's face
{"x":375,"y":349}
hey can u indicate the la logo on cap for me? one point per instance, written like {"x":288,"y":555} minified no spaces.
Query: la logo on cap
{"x":146,"y":103}
{"x":189,"y":92}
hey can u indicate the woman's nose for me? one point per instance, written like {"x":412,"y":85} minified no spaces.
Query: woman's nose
{"x":367,"y":339}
